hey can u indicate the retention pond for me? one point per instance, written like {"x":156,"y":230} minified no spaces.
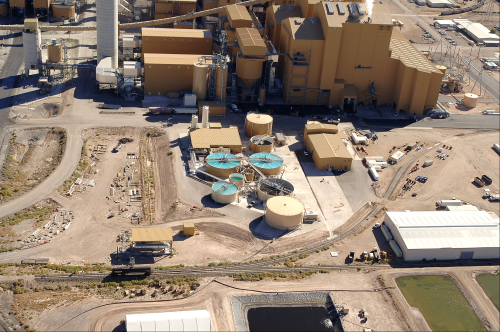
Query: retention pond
{"x":442,"y":303}
{"x":289,"y":319}
{"x":490,"y":283}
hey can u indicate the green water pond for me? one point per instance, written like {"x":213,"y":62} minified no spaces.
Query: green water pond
{"x":490,"y":283}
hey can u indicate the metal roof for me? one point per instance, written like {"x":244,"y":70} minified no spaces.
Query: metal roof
{"x":479,"y":31}
{"x":238,"y":16}
{"x":196,"y":320}
{"x":259,"y":118}
{"x":176,"y":33}
{"x":285,"y":205}
{"x":286,"y":12}
{"x":225,"y":188}
{"x":446,"y":229}
{"x":266,"y":160}
{"x":223,"y":160}
{"x":328,"y":146}
{"x":306,"y":29}
{"x":403,"y":51}
{"x":152,"y":234}
{"x":250,"y":41}
{"x":205,"y":138}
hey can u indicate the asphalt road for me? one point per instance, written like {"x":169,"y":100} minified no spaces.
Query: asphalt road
{"x":462,"y":121}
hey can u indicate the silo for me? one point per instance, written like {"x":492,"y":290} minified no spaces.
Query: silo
{"x":200,"y":72}
{"x":284,"y":212}
{"x":249,"y":174}
{"x":261,"y":143}
{"x":248,"y":70}
{"x":269,"y":188}
{"x":222,"y":164}
{"x":221,"y":83}
{"x":224,"y":192}
{"x":107,"y":30}
{"x":267,"y":163}
{"x":54,"y":51}
{"x":204,"y":117}
{"x":470,"y":100}
{"x":238,"y":179}
{"x":258,"y":124}
{"x":194,"y":121}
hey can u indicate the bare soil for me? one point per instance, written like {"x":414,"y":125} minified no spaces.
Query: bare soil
{"x":30,"y":159}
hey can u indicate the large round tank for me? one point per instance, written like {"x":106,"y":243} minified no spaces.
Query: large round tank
{"x":200,"y":72}
{"x":224,"y":192}
{"x":258,"y":124}
{"x":238,"y":179}
{"x":107,"y":30}
{"x":55,"y":53}
{"x":222,"y":164}
{"x":269,"y":188}
{"x":470,"y":100}
{"x":221,"y":83}
{"x":283,"y":212}
{"x":267,"y":163}
{"x":261,"y":143}
{"x":248,"y":70}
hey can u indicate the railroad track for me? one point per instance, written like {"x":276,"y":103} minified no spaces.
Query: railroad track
{"x":260,"y":266}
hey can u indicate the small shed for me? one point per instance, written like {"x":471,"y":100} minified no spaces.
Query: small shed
{"x":189,"y":228}
{"x":280,"y":139}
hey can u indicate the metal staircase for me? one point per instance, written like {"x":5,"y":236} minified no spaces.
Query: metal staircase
{"x":300,"y":59}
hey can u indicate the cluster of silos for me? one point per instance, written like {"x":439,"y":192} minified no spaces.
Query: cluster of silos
{"x":271,"y":187}
{"x":258,"y":124}
{"x":222,"y":164}
{"x":262,"y":143}
{"x":107,"y":31}
{"x":284,"y":212}
{"x":267,"y":163}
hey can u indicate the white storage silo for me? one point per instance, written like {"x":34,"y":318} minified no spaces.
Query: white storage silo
{"x":107,"y":30}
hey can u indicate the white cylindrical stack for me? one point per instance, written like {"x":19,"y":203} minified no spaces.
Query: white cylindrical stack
{"x":204,"y":117}
{"x":194,"y":122}
{"x":107,"y":30}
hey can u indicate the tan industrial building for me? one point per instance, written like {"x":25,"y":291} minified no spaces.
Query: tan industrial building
{"x":176,"y":41}
{"x":313,"y":127}
{"x":206,"y":138}
{"x":37,"y":4}
{"x":4,"y":9}
{"x":17,"y":3}
{"x":152,"y":239}
{"x":338,"y":59}
{"x":216,"y":108}
{"x":173,"y":7}
{"x":64,"y":10}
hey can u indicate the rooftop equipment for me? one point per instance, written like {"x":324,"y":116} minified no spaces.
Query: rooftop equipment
{"x":274,"y":187}
{"x":352,"y":10}
{"x":329,"y":8}
{"x":340,"y":8}
{"x":360,"y":9}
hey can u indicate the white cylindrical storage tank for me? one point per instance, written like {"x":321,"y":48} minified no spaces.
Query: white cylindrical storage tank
{"x":107,"y":30}
{"x":204,"y":117}
{"x":470,"y":100}
{"x":258,"y":124}
{"x":224,"y":192}
{"x":200,"y":72}
{"x":284,"y":212}
{"x":194,"y":122}
{"x":238,"y":179}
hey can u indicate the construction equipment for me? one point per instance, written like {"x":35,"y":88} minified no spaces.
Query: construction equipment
{"x":351,"y":256}
{"x":422,"y":179}
{"x":479,"y":181}
{"x":364,"y":256}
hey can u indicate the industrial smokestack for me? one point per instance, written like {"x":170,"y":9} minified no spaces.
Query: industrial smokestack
{"x":204,"y":117}
{"x":107,"y":30}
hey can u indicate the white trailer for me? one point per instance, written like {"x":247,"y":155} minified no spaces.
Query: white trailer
{"x":185,"y":110}
{"x":374,"y":174}
{"x":359,"y":139}
{"x":381,"y":164}
{"x":450,"y":202}
{"x":396,"y":157}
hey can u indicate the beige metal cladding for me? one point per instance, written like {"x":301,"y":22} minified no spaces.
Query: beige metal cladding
{"x":249,"y":174}
{"x":221,"y":172}
{"x":221,"y":83}
{"x":238,"y":16}
{"x":41,"y":4}
{"x":63,"y":12}
{"x":188,"y":228}
{"x":17,"y":3}
{"x":176,"y":41}
{"x":315,"y":127}
{"x":258,"y":124}
{"x":328,"y":150}
{"x":200,"y":73}
{"x":249,"y":70}
{"x":470,"y":100}
{"x":216,"y":107}
{"x":250,"y":42}
{"x":283,"y":212}
{"x":224,"y":196}
{"x":55,"y":53}
{"x":175,"y":7}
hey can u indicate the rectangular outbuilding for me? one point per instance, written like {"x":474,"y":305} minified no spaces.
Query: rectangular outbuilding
{"x":176,"y":41}
{"x":445,"y":235}
{"x":329,"y":151}
{"x":207,"y":138}
{"x":152,"y":239}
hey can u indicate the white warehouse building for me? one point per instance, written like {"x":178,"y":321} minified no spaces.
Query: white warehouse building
{"x":445,"y":235}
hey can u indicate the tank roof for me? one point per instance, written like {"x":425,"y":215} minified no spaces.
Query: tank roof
{"x":266,"y":160}
{"x":259,"y":118}
{"x":285,"y":205}
{"x":229,"y":188}
{"x":275,"y":186}
{"x":223,"y":160}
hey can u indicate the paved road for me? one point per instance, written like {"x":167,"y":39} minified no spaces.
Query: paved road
{"x":462,"y":121}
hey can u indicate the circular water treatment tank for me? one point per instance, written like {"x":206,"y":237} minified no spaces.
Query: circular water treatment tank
{"x":224,"y":192}
{"x":261,"y":143}
{"x":267,"y":163}
{"x":284,"y":212}
{"x":269,"y":188}
{"x":258,"y":124}
{"x":222,"y":164}
{"x":238,"y":179}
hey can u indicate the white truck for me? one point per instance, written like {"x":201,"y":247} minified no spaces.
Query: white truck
{"x":450,"y":202}
{"x":494,"y":198}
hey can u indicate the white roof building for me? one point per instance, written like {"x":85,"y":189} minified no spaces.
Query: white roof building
{"x":478,"y":32}
{"x":196,"y":320}
{"x":441,"y":3}
{"x":444,"y":23}
{"x":445,"y":235}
